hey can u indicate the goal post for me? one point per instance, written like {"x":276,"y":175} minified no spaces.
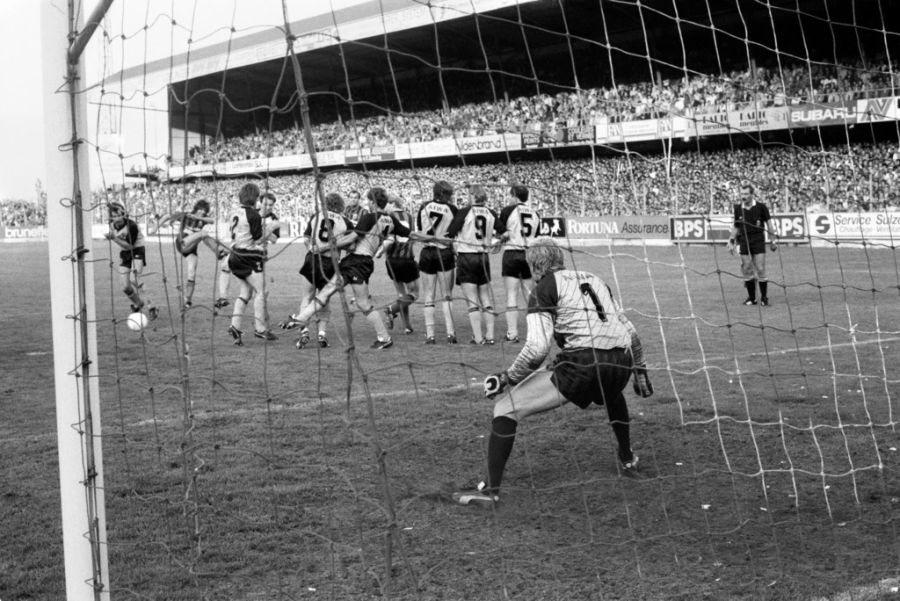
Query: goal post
{"x":73,"y":314}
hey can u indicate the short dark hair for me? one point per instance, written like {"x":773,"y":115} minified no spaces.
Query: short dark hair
{"x":442,"y":190}
{"x":334,"y":202}
{"x":378,"y":196}
{"x":520,"y":192}
{"x":249,"y":193}
{"x":201,"y":205}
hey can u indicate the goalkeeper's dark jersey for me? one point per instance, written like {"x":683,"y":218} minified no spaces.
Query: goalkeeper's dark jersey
{"x":582,"y":308}
{"x":751,"y":222}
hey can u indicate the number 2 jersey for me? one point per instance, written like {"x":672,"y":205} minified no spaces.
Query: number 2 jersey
{"x":247,"y":231}
{"x":318,"y":227}
{"x":521,"y":223}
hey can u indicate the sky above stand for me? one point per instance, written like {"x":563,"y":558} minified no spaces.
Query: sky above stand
{"x":21,"y":105}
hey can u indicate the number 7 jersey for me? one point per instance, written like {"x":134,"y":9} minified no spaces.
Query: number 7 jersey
{"x":434,"y":219}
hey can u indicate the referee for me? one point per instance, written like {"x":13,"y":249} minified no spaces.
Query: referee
{"x":751,"y":222}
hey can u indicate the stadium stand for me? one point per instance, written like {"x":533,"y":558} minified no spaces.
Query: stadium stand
{"x":867,"y":177}
{"x":803,"y":83}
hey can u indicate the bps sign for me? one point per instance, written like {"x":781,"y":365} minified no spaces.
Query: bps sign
{"x":717,"y":228}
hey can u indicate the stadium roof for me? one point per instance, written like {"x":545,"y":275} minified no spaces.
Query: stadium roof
{"x":544,"y":44}
{"x":355,"y":22}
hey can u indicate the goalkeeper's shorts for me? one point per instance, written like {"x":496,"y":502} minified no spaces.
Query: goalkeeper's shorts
{"x":585,"y":376}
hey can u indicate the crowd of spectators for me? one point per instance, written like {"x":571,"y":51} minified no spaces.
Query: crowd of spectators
{"x":803,"y":83}
{"x":22,"y":213}
{"x":789,"y":178}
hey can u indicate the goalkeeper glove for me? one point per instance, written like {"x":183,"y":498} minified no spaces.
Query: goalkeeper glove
{"x":495,"y":383}
{"x":641,"y":381}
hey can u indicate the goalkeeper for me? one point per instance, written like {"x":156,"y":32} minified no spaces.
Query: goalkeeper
{"x":599,"y":351}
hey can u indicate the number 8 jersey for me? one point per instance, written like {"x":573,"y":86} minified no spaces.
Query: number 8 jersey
{"x":317,"y":230}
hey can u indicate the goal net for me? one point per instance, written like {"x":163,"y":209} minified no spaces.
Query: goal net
{"x":768,"y":453}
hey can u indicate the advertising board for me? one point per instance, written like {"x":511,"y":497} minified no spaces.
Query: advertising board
{"x":367,"y":155}
{"x":790,"y":227}
{"x":872,"y":110}
{"x":812,"y":115}
{"x":758,"y":119}
{"x":878,"y":226}
{"x":606,"y":228}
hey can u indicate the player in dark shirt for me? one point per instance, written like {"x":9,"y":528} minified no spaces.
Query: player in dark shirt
{"x":402,"y":269}
{"x":187,"y":240}
{"x":600,"y":349}
{"x":125,"y":233}
{"x":751,"y":222}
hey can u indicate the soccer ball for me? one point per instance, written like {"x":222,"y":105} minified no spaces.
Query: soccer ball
{"x":137,"y":321}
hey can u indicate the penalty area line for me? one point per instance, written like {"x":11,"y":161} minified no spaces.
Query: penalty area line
{"x":781,"y":352}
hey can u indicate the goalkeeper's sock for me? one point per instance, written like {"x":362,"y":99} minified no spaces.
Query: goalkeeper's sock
{"x":764,"y":288}
{"x":621,"y":424}
{"x":751,"y":289}
{"x":503,"y":436}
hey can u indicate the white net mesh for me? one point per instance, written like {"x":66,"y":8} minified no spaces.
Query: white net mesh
{"x":768,"y":452}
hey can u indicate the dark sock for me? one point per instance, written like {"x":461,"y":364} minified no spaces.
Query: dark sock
{"x":503,"y":435}
{"x":764,"y":288}
{"x":617,"y":410}
{"x":751,"y":289}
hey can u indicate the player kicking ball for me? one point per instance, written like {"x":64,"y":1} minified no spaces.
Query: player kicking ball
{"x":600,"y":350}
{"x":190,"y":235}
{"x":125,"y":233}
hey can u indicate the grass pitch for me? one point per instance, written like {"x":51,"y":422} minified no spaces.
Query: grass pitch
{"x":769,"y":449}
